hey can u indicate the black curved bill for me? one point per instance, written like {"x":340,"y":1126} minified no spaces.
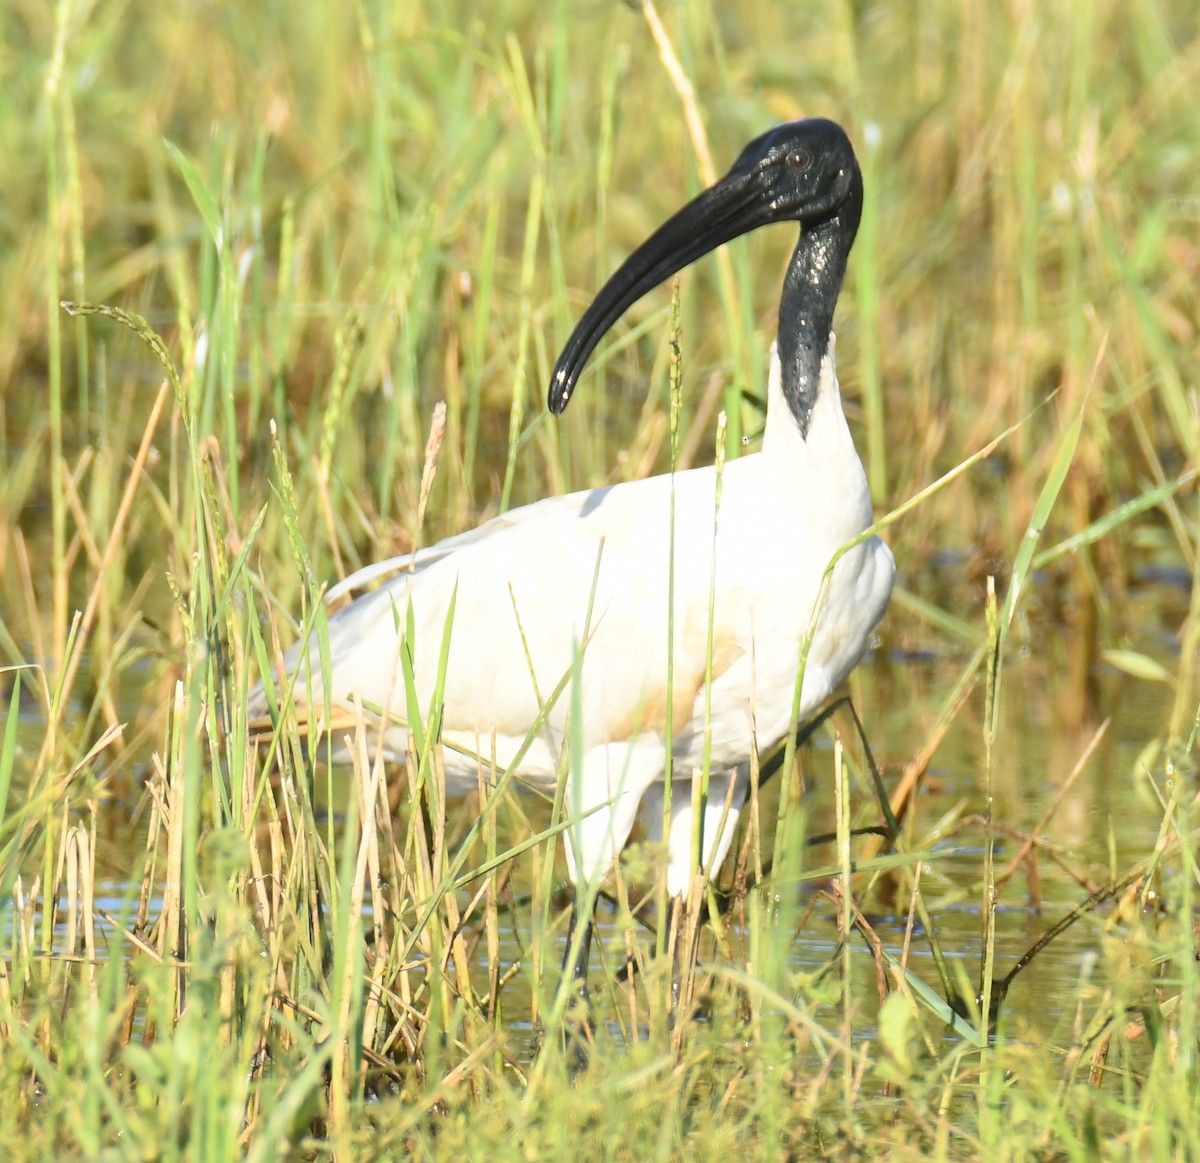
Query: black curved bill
{"x":734,"y":206}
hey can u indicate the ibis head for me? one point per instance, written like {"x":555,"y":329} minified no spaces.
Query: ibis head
{"x":803,"y":171}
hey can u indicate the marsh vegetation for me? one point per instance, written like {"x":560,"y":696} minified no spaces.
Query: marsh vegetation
{"x":304,"y":228}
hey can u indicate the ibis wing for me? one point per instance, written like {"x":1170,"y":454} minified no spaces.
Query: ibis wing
{"x":518,"y":597}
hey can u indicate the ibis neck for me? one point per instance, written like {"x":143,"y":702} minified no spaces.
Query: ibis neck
{"x":810,"y":290}
{"x":822,"y":462}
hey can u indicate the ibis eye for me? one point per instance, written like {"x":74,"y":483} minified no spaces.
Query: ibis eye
{"x":799,"y":159}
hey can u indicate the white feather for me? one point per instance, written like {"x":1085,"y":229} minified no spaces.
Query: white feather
{"x":523,"y":581}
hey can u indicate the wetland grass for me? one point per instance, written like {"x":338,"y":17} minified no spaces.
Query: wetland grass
{"x":306,"y":234}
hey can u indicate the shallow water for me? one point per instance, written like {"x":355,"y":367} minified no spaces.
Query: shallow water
{"x":1110,"y":817}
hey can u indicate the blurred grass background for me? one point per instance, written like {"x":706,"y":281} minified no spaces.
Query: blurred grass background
{"x":337,"y":216}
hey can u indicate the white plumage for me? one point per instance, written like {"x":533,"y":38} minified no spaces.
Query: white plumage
{"x":532,"y":571}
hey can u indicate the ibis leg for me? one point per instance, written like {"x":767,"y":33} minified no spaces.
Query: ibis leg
{"x":577,"y":967}
{"x":577,"y":1030}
